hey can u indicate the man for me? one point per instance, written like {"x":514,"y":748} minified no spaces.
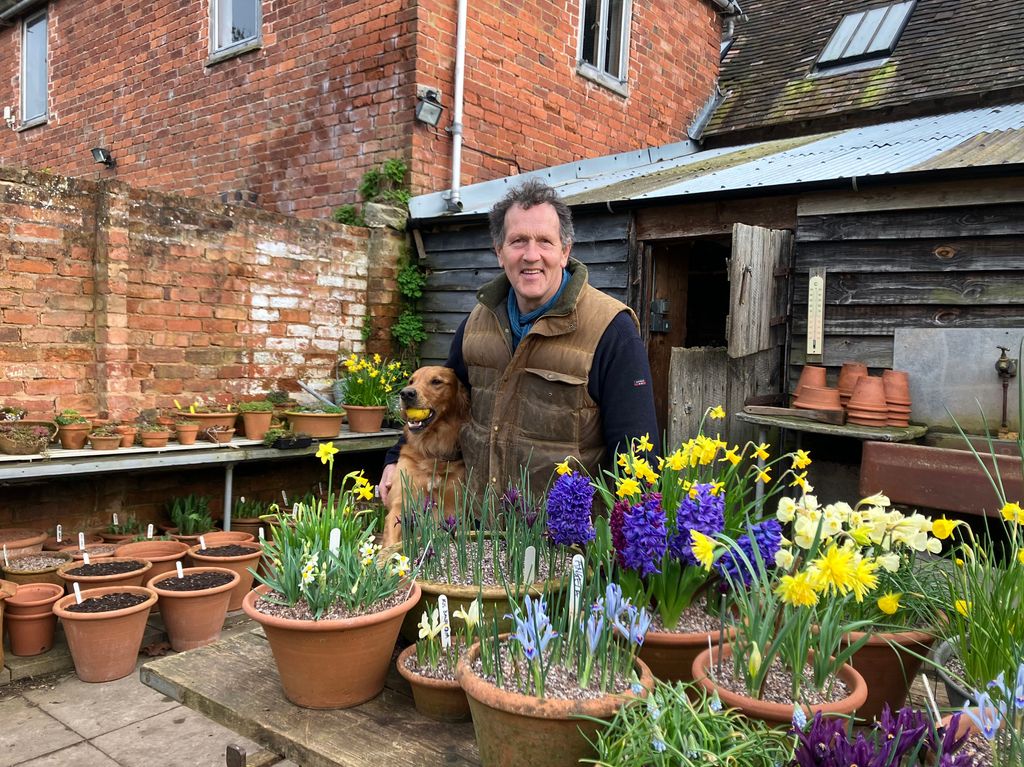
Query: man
{"x":554,"y":367}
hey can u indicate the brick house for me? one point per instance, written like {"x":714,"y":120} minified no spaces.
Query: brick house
{"x":285,"y":104}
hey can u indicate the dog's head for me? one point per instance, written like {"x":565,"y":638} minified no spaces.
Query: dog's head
{"x":434,"y":393}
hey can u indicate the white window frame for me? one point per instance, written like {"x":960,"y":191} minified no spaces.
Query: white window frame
{"x":598,"y":72}
{"x":221,"y":52}
{"x":28,"y":121}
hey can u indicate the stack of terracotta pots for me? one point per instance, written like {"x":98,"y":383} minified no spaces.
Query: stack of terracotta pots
{"x":818,"y":398}
{"x":867,"y":406}
{"x":848,"y":376}
{"x":897,"y":397}
{"x":811,"y":375}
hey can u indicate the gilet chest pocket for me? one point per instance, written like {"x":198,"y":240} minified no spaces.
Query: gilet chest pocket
{"x":551,"y":404}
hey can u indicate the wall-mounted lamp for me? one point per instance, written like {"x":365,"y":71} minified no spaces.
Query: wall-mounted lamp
{"x":103,"y":157}
{"x":428,"y":108}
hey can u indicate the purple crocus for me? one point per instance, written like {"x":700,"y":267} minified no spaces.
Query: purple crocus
{"x":569,"y":502}
{"x":644,"y":536}
{"x":701,"y":510}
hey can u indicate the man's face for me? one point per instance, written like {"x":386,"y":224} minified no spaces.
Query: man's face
{"x":532,"y":254}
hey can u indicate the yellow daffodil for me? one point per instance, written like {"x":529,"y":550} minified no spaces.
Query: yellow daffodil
{"x":963,"y":607}
{"x":942,"y":528}
{"x":622,"y":460}
{"x":716,"y":412}
{"x":1020,"y":556}
{"x":675,"y":461}
{"x":864,"y":577}
{"x":1012,"y":512}
{"x":326,"y":452}
{"x":889,"y":602}
{"x":801,"y":459}
{"x":644,"y":444}
{"x":627,"y":487}
{"x":835,"y":570}
{"x":761,"y":451}
{"x":798,"y":590}
{"x":703,"y":548}
{"x":642,"y":469}
{"x":563,"y":467}
{"x":732,"y":455}
{"x":799,"y":480}
{"x":763,"y":475}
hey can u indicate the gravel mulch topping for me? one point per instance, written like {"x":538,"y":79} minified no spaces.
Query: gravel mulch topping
{"x":34,"y":562}
{"x":194,"y":582}
{"x":437,"y":566}
{"x":445,"y":670}
{"x":694,"y":619}
{"x":777,"y":685}
{"x":106,"y":568}
{"x":561,"y":683}
{"x":106,"y":603}
{"x":95,"y":550}
{"x":979,"y":749}
{"x":229,"y":550}
{"x":300,"y":611}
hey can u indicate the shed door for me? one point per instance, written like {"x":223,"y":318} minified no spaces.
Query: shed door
{"x":756,"y":288}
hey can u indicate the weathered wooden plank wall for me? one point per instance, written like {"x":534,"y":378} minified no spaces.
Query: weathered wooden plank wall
{"x":947,"y":266}
{"x":459,"y":260}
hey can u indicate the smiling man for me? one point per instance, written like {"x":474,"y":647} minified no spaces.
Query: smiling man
{"x":554,"y":366}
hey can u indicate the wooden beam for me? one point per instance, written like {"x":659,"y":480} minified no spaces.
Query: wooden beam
{"x":909,"y":196}
{"x":715,"y":218}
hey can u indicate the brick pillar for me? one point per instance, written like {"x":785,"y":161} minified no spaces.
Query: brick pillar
{"x":388,"y":242}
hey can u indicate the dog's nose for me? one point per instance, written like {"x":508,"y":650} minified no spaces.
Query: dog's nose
{"x":408,"y":395}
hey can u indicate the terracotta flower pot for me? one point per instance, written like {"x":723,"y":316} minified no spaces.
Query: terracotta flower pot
{"x":888,"y":664}
{"x":19,"y":540}
{"x":95,"y":551}
{"x":316,"y":425}
{"x":72,"y":436}
{"x":221,"y":436}
{"x":104,"y":646}
{"x":365,"y":420}
{"x":163,"y":555}
{"x":193,"y":618}
{"x":206,"y":420}
{"x":848,"y":376}
{"x":438,"y":699}
{"x":777,"y":713}
{"x":154,"y":438}
{"x":30,"y":619}
{"x":241,"y":564}
{"x":117,"y":538}
{"x":896,"y":384}
{"x":223,"y":537}
{"x":514,"y":730}
{"x":17,"y":573}
{"x":112,"y":442}
{"x":186,"y":433}
{"x":7,"y":589}
{"x":256,"y":424}
{"x":67,"y":539}
{"x":190,"y":540}
{"x":670,"y":656}
{"x":91,"y":582}
{"x":307,"y":653}
{"x":811,"y":375}
{"x":868,"y":394}
{"x":249,"y":525}
{"x":818,"y":398}
{"x":127,"y":433}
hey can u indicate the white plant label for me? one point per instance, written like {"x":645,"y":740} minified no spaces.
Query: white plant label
{"x":149,"y":530}
{"x":576,"y":585}
{"x":261,"y":533}
{"x":181,"y":573}
{"x":295,"y":510}
{"x":6,"y":562}
{"x":85,"y":557}
{"x":202,"y":542}
{"x":60,"y":533}
{"x":334,"y":543}
{"x":284,"y":497}
{"x":530,"y":565}
{"x":81,"y":541}
{"x":446,"y":624}
{"x":78,"y":592}
{"x":242,"y":499}
{"x":115,"y":519}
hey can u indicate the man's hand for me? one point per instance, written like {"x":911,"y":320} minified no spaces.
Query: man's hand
{"x":387,"y":477}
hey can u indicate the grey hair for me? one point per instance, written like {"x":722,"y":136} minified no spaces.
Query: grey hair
{"x":526,"y":195}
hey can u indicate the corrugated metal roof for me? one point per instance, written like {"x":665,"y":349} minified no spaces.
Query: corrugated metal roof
{"x":972,"y":138}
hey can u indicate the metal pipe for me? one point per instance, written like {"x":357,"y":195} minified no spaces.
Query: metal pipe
{"x":229,"y":475}
{"x":454,"y":197}
{"x":17,"y":8}
{"x":730,"y":7}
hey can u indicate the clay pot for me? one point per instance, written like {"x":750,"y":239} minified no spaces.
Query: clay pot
{"x":127,"y":433}
{"x":848,"y":376}
{"x":307,"y":653}
{"x":41,"y":575}
{"x":72,"y":436}
{"x":224,"y":537}
{"x":316,"y":425}
{"x":93,"y":582}
{"x":220,"y":437}
{"x":193,"y":618}
{"x":240,"y":564}
{"x":250,"y":525}
{"x":95,"y":551}
{"x":7,"y":589}
{"x":365,"y":420}
{"x":118,"y":538}
{"x":868,"y":394}
{"x":19,"y":540}
{"x":818,"y":398}
{"x":190,"y":540}
{"x":154,"y":438}
{"x":888,"y":665}
{"x":670,"y":656}
{"x":112,"y":442}
{"x":105,"y":646}
{"x":206,"y":420}
{"x":30,"y":619}
{"x":514,"y":730}
{"x":811,"y":375}
{"x":161,"y":554}
{"x":777,"y":713}
{"x":186,"y":433}
{"x":256,"y":424}
{"x":897,"y":387}
{"x":438,"y":699}
{"x":51,"y":543}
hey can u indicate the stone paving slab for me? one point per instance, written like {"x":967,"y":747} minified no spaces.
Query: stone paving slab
{"x":29,"y":732}
{"x":81,"y":755}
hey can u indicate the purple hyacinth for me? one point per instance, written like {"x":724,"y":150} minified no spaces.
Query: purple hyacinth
{"x":703,"y":512}
{"x":735,"y":568}
{"x":569,"y":502}
{"x":643,"y":530}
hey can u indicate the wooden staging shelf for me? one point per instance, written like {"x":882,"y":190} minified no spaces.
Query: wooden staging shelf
{"x":234,"y":682}
{"x":886,"y":434}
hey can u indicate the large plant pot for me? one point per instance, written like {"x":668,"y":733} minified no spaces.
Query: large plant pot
{"x":193,"y":618}
{"x":73,"y":435}
{"x":14,"y":573}
{"x":105,"y":646}
{"x":365,"y":420}
{"x":7,"y":589}
{"x":241,"y":564}
{"x":438,"y":699}
{"x":225,"y":537}
{"x":93,"y":582}
{"x":256,"y":424}
{"x":670,"y":656}
{"x":307,"y":653}
{"x":154,"y":438}
{"x":19,"y":540}
{"x":94,"y":550}
{"x":958,"y":695}
{"x":777,"y":713}
{"x":163,"y":555}
{"x":514,"y":730}
{"x":888,"y":664}
{"x":52,"y":544}
{"x":206,"y":420}
{"x":30,"y":621}
{"x":316,"y":425}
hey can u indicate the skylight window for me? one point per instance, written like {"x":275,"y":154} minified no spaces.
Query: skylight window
{"x":866,"y":34}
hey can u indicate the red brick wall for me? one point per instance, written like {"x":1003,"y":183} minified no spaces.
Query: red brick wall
{"x":119,"y":299}
{"x":331,"y":93}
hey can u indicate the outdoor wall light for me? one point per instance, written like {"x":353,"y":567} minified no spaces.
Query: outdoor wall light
{"x":103,"y":157}
{"x":428,"y":108}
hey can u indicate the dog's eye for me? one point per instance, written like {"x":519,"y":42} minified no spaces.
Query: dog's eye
{"x":437,"y":382}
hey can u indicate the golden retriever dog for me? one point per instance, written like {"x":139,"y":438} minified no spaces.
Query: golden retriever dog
{"x":435,"y":405}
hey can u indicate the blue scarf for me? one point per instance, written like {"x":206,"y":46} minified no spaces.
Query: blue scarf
{"x":520,"y":324}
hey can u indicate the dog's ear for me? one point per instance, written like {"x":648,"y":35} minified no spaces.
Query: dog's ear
{"x":461,"y":404}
